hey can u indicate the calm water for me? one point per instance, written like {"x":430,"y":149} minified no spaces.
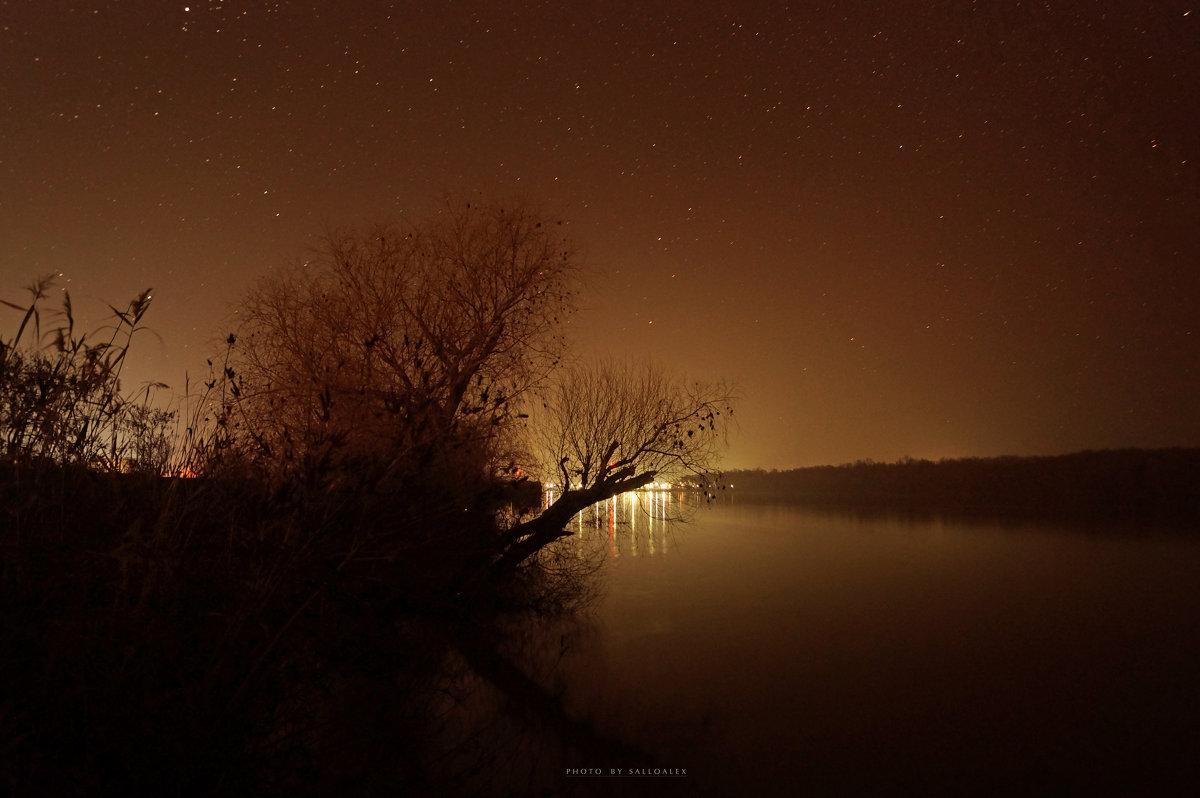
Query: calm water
{"x":771,"y":649}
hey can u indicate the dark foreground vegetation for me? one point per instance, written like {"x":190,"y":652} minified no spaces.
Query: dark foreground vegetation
{"x":206,"y":636}
{"x":1160,"y":486}
{"x":325,"y":570}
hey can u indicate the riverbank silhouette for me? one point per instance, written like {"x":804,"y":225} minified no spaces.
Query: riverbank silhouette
{"x":1158,"y":486}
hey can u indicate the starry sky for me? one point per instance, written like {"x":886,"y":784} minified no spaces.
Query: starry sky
{"x":931,"y":229}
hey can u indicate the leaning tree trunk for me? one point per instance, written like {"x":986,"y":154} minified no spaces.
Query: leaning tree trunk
{"x":530,"y":537}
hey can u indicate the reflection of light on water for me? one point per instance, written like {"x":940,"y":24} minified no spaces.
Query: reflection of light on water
{"x":628,"y":497}
{"x":612,"y":525}
{"x":632,"y":524}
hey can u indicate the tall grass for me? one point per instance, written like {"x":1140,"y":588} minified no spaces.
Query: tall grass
{"x":227,"y":634}
{"x":61,"y":402}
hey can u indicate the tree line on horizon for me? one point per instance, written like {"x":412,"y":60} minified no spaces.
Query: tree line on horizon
{"x":1161,"y":485}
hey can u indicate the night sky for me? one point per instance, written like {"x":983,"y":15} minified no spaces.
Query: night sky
{"x":934,"y":229}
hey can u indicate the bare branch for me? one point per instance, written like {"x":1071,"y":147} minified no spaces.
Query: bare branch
{"x":407,"y":339}
{"x":625,"y":418}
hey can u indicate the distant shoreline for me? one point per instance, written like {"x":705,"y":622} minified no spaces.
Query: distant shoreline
{"x":1144,"y":485}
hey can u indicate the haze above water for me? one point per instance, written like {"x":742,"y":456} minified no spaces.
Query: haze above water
{"x":769,"y":648}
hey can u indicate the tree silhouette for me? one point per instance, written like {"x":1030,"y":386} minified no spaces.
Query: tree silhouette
{"x":431,"y":354}
{"x":613,"y":427}
{"x":403,"y":345}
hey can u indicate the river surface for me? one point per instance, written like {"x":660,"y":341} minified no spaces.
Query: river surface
{"x":769,"y":649}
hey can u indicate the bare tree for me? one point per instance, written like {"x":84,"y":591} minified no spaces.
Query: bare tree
{"x":415,"y":351}
{"x":404,"y":342}
{"x":614,"y":427}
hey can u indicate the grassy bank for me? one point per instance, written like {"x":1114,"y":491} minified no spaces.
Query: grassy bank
{"x":196,"y":636}
{"x":303,"y":616}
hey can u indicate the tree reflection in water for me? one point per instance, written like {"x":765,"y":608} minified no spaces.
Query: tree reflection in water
{"x":503,"y":721}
